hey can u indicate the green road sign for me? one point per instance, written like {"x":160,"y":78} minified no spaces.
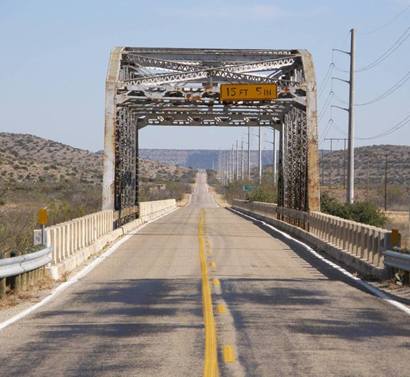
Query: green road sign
{"x":248,"y":188}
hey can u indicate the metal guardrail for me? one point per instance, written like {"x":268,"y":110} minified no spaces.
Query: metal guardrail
{"x":24,"y":263}
{"x":22,"y":271}
{"x":397,"y":260}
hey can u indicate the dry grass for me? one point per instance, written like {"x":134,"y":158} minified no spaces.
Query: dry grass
{"x":34,"y":293}
{"x":36,"y":172}
{"x":18,"y":217}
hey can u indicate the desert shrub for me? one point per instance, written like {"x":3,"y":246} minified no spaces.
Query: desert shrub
{"x":16,"y":231}
{"x":232,"y":191}
{"x":262,"y":194}
{"x":332,"y":206}
{"x":363,"y":212}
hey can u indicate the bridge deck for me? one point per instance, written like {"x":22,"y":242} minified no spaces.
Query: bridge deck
{"x":139,"y":313}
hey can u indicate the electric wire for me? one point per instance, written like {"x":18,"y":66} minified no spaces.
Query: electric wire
{"x":405,"y":121}
{"x":388,"y":92}
{"x":327,"y":128}
{"x":399,"y":41}
{"x":403,"y":37}
{"x":386,"y":24}
{"x":325,"y":80}
{"x":396,"y":86}
{"x":326,"y":104}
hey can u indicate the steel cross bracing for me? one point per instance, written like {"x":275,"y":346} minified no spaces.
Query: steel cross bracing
{"x":195,"y":70}
{"x":180,"y":87}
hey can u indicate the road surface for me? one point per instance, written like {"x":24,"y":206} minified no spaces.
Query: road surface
{"x":139,"y":313}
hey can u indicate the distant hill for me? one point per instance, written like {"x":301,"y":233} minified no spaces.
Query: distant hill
{"x":197,"y":159}
{"x":369,"y":162}
{"x":26,"y":158}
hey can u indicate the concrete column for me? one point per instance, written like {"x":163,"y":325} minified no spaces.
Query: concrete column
{"x":60,"y":243}
{"x":83,"y":241}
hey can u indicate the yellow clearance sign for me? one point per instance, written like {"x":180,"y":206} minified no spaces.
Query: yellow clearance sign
{"x":42,"y":216}
{"x":248,"y":92}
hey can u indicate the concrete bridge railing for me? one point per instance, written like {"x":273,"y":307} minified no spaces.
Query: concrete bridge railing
{"x":364,"y":244}
{"x":364,"y":241}
{"x":69,"y":237}
{"x":74,"y":241}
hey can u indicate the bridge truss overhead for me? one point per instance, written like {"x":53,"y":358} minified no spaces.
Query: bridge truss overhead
{"x":180,"y":87}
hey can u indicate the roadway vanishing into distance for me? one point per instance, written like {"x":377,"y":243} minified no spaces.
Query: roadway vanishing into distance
{"x":139,"y":312}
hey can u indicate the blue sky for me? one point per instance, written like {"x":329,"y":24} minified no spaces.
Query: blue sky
{"x":55,"y":53}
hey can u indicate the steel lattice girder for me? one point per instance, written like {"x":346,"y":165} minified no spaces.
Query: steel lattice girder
{"x":180,"y":87}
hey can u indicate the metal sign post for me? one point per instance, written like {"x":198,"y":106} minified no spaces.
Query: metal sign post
{"x":42,"y":219}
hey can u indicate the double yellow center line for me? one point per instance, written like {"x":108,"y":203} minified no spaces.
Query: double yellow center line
{"x":211,"y":354}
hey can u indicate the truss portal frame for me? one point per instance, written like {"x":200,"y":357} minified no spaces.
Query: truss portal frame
{"x":180,"y":87}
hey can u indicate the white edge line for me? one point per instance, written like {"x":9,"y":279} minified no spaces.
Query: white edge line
{"x":213,"y":196}
{"x":377,"y":292}
{"x":79,"y":275}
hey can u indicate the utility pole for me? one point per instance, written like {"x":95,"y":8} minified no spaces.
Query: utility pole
{"x":242,"y":161}
{"x":228,"y":161}
{"x":233,"y":162}
{"x":223,"y":167}
{"x":368,"y":177}
{"x":330,"y":163}
{"x":237,"y":161}
{"x":226,"y":167}
{"x":274,"y":158}
{"x":344,"y":163}
{"x":331,"y":140}
{"x":351,"y":125}
{"x":260,"y":156}
{"x":385,"y":183}
{"x":249,"y":153}
{"x":350,"y":167}
{"x":322,"y":167}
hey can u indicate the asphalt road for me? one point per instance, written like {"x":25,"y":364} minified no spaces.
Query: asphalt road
{"x":139,"y":313}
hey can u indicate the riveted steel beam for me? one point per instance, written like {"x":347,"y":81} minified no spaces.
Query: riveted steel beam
{"x":180,"y":87}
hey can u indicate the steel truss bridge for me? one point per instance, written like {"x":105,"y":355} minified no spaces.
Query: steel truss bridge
{"x":180,"y":87}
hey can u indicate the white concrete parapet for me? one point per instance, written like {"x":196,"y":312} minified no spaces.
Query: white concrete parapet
{"x":69,"y":237}
{"x":361,"y":240}
{"x":74,"y":241}
{"x":364,"y":242}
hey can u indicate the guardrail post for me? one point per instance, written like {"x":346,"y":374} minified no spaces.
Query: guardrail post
{"x":30,"y":279}
{"x":337,"y":232}
{"x":356,"y":239}
{"x":379,"y":248}
{"x":24,"y":281}
{"x":59,"y":244}
{"x":362,"y":242}
{"x":3,"y":286}
{"x":16,"y":283}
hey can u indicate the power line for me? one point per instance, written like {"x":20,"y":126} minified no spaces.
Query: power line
{"x":388,"y":23}
{"x":391,"y":130}
{"x":388,"y":92}
{"x":396,"y":86}
{"x":325,"y":79}
{"x":325,"y":106}
{"x":341,"y":100}
{"x":399,"y":41}
{"x":403,"y":37}
{"x":326,"y":130}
